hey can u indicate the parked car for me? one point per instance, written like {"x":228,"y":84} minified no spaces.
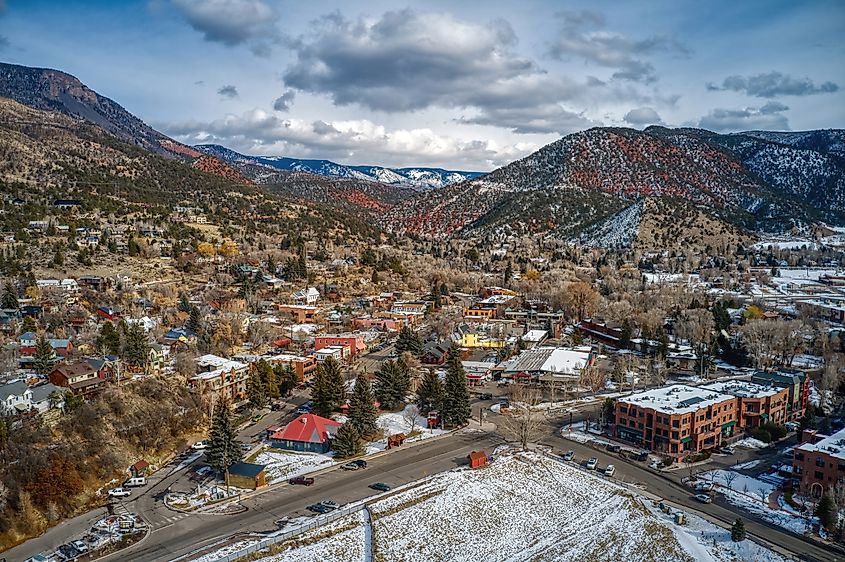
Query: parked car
{"x":704,"y":486}
{"x":485,"y":396}
{"x":120,"y":492}
{"x":245,"y":446}
{"x":80,"y":546}
{"x":330,"y":504}
{"x":275,"y":407}
{"x":592,"y":463}
{"x":301,"y":480}
{"x":610,"y":470}
{"x":350,"y":466}
{"x":568,"y":455}
{"x":703,"y":498}
{"x":135,"y":481}
{"x":361,"y":463}
{"x":257,"y":418}
{"x":380,"y":486}
{"x":727,"y":450}
{"x":200,"y":445}
{"x":319,"y":508}
{"x":67,"y":552}
{"x":304,"y":409}
{"x":613,"y":447}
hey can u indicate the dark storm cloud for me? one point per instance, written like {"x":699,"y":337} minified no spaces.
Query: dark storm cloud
{"x":773,"y":84}
{"x":284,"y":101}
{"x":228,"y":91}
{"x":406,"y":61}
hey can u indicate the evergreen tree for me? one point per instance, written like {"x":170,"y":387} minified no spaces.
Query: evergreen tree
{"x":738,"y":531}
{"x":223,"y":450}
{"x":347,"y":442}
{"x":195,"y":323}
{"x":329,"y":391}
{"x":136,"y":351}
{"x":456,"y":408}
{"x":9,"y":300}
{"x":132,"y":247}
{"x":374,"y":279}
{"x":58,"y":257}
{"x":268,"y":378}
{"x":108,"y":341}
{"x":826,"y":511}
{"x":506,"y":278}
{"x":184,"y":303}
{"x":430,"y":393}
{"x":362,"y":411}
{"x":409,"y":340}
{"x":29,"y":325}
{"x":45,"y":356}
{"x":256,"y":390}
{"x":392,"y":382}
{"x":286,"y":379}
{"x":271,"y":266}
{"x":625,"y":334}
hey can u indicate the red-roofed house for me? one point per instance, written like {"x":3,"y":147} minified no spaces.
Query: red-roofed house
{"x":354,"y":341}
{"x":308,"y":432}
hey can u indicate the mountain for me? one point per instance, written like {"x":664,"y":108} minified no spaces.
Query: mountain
{"x":586,"y":177}
{"x":417,"y":178}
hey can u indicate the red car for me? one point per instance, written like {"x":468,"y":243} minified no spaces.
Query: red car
{"x":303,"y":480}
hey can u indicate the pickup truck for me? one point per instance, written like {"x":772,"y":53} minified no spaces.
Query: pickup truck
{"x":301,"y":480}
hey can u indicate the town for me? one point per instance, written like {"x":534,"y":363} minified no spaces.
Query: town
{"x":243,"y":369}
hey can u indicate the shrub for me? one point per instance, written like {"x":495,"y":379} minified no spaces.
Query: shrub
{"x":762,"y":435}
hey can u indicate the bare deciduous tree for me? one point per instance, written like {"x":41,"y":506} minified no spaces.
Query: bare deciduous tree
{"x":524,"y":418}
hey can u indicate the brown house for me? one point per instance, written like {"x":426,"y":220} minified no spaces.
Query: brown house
{"x":79,"y":377}
{"x":246,"y":475}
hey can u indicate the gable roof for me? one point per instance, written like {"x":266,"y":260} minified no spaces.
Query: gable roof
{"x":308,"y":428}
{"x":16,"y":388}
{"x":246,"y":469}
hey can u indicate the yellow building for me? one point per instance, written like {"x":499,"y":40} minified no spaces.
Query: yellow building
{"x":471,"y":339}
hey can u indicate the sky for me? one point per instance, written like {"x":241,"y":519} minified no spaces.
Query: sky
{"x":466,"y":85}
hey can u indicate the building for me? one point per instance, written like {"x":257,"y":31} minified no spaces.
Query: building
{"x":831,"y":311}
{"x":303,"y":366}
{"x":548,"y":364}
{"x":219,"y":377}
{"x":247,"y":476}
{"x":756,"y":404}
{"x":15,"y":398}
{"x":308,"y":432}
{"x":819,"y":463}
{"x":795,"y":382}
{"x":336,"y":352}
{"x":354,"y":342}
{"x":533,"y":338}
{"x":409,"y":308}
{"x":308,"y":296}
{"x":677,"y":420}
{"x":300,"y":312}
{"x":80,"y":378}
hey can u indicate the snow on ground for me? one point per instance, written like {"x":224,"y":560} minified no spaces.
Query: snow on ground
{"x":753,"y":494}
{"x":747,"y":465}
{"x":800,"y":276}
{"x":400,"y":422}
{"x":750,"y":443}
{"x":529,"y":507}
{"x":282,"y":465}
{"x":524,"y":506}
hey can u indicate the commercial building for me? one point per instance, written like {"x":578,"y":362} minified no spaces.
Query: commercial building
{"x":795,"y":382}
{"x":355,"y":342}
{"x":219,"y":377}
{"x":819,"y":462}
{"x":756,"y":404}
{"x":548,"y":365}
{"x":677,"y":420}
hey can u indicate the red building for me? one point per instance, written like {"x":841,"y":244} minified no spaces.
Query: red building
{"x":354,"y":342}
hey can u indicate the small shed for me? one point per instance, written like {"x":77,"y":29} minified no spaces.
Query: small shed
{"x":139,"y":468}
{"x":395,"y":440}
{"x":477,"y":459}
{"x":246,"y":475}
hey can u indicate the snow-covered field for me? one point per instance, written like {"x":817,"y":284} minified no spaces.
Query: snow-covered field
{"x":753,"y":494}
{"x":401,"y":422}
{"x":524,"y":506}
{"x":282,"y":465}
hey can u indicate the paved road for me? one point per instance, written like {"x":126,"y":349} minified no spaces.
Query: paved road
{"x":183,"y":535}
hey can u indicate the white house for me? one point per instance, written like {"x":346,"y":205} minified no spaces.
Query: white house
{"x":306,"y":296}
{"x":15,"y":398}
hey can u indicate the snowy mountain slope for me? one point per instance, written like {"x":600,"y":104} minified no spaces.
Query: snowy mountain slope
{"x":418,"y":178}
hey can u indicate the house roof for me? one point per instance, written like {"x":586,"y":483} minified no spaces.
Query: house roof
{"x":308,"y":428}
{"x":246,"y":469}
{"x":16,"y":388}
{"x":140,"y":465}
{"x":75,"y":369}
{"x":28,"y":336}
{"x":43,"y":391}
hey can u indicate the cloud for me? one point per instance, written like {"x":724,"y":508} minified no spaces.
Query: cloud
{"x":608,"y":48}
{"x":199,"y":83}
{"x":768,"y":117}
{"x":230,"y":22}
{"x":355,"y":141}
{"x":284,"y":101}
{"x":228,"y":91}
{"x":643,"y":116}
{"x":773,"y":84}
{"x":406,"y":61}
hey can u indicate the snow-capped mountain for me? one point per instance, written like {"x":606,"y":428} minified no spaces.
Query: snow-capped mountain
{"x":417,"y":178}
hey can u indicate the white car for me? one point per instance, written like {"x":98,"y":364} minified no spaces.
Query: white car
{"x":592,"y":463}
{"x":120,"y":492}
{"x":610,"y":470}
{"x":80,"y":546}
{"x":200,"y":445}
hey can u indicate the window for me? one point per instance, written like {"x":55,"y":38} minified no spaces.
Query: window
{"x":819,"y":475}
{"x":676,"y":423}
{"x":820,"y":462}
{"x":674,"y":435}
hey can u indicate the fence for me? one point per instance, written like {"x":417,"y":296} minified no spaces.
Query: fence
{"x":283,"y":535}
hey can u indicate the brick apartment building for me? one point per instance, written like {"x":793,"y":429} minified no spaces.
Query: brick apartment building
{"x":677,"y":420}
{"x":303,"y":366}
{"x":756,"y":404}
{"x":795,"y":382}
{"x":355,"y":343}
{"x":819,"y":462}
{"x":219,"y":377}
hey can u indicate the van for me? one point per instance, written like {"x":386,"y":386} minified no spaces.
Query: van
{"x":135,"y":481}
